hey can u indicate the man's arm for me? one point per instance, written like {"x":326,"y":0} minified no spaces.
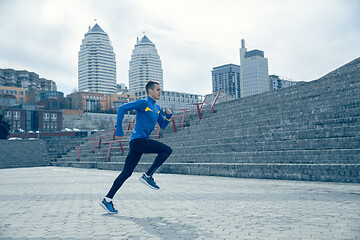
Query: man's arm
{"x":163,"y":122}
{"x":119,"y":133}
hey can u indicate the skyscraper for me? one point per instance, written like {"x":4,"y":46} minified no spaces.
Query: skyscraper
{"x":227,"y":78}
{"x":254,"y":77}
{"x":145,"y":65}
{"x":97,"y":66}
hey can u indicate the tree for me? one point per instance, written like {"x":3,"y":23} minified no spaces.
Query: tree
{"x":4,"y":128}
{"x":64,"y":103}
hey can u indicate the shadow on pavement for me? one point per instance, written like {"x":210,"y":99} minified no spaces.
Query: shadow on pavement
{"x":165,"y":228}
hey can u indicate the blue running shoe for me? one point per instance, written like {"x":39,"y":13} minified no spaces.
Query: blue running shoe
{"x":108,"y":207}
{"x":149,"y":181}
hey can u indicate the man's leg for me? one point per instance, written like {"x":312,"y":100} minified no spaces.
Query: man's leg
{"x":163,"y":151}
{"x":131,"y":161}
{"x":160,"y":159}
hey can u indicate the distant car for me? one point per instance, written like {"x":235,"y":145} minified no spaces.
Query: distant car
{"x":76,"y":130}
{"x":33,"y":139}
{"x":14,"y":138}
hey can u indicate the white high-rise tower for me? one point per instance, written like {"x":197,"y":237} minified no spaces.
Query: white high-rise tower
{"x":145,"y":65}
{"x":254,"y":76}
{"x":97,"y":66}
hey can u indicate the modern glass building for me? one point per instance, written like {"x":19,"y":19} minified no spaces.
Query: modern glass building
{"x":254,"y":76}
{"x":145,"y":65}
{"x":97,"y":66}
{"x":227,"y":78}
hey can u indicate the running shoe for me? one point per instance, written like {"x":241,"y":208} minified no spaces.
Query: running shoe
{"x":149,"y":181}
{"x":108,"y":207}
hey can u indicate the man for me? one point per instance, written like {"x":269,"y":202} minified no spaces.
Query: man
{"x":147,"y":114}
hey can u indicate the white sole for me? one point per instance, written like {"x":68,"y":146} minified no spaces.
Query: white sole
{"x":144,"y":182}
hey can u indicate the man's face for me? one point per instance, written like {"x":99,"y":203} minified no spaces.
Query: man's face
{"x":155,"y":92}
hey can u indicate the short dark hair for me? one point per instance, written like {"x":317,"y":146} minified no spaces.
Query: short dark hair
{"x":150,"y":85}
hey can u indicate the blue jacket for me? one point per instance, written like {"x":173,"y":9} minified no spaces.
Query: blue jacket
{"x":147,"y":114}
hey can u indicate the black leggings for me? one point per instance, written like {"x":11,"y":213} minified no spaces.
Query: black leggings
{"x":139,"y":146}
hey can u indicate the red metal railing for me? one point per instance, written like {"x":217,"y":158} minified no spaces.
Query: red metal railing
{"x":78,"y":148}
{"x":111,"y":147}
{"x":198,"y":110}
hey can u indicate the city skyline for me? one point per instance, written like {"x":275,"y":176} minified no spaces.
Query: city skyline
{"x":303,"y":40}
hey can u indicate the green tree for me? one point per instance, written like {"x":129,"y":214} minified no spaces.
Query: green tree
{"x":4,"y":128}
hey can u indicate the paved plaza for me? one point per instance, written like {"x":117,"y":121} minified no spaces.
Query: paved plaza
{"x":63,"y":203}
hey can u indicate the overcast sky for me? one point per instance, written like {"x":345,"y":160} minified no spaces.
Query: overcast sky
{"x":302,"y":39}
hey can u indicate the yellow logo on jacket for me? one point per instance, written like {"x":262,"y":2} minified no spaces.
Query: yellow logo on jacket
{"x":147,"y":109}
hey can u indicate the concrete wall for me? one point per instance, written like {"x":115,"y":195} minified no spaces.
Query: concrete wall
{"x":23,"y":153}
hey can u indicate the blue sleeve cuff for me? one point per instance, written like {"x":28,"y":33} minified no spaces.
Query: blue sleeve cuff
{"x":168,"y":117}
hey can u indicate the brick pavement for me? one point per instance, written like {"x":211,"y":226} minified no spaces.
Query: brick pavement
{"x":62,"y":203}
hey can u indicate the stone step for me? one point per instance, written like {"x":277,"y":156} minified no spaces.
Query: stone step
{"x":279,"y":116}
{"x":285,"y":125}
{"x":244,"y":143}
{"x":302,"y":172}
{"x":282,"y":103}
{"x":231,"y":144}
{"x":349,"y":156}
{"x":303,"y":144}
{"x":301,"y":91}
{"x":263,"y":132}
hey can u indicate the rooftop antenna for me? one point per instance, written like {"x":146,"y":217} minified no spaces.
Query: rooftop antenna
{"x":242,"y":43}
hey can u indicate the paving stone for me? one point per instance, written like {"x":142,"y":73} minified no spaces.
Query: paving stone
{"x":62,"y":203}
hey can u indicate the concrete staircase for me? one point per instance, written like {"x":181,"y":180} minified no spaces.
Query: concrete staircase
{"x":60,"y":147}
{"x":310,"y":131}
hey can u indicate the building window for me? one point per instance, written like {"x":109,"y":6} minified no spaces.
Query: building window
{"x":16,"y":115}
{"x":54,"y":117}
{"x":8,"y":114}
{"x":46,"y":117}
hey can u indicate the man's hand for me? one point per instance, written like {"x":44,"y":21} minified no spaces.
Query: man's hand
{"x":168,"y":112}
{"x":119,"y":137}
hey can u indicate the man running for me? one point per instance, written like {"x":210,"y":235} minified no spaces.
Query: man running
{"x":147,"y":114}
